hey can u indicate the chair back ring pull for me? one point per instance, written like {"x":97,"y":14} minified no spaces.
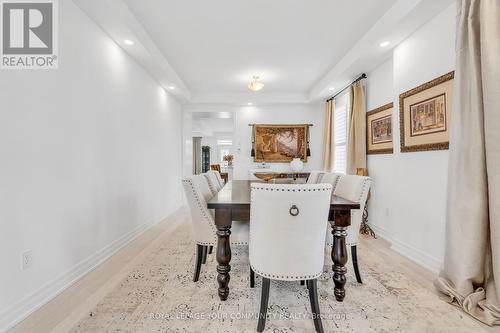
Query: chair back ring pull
{"x":294,"y":210}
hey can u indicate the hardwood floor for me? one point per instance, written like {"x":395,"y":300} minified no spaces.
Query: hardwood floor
{"x":417,"y":273}
{"x":63,"y":312}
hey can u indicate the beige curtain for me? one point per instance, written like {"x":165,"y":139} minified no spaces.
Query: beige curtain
{"x":328,"y":139}
{"x":356,"y":143}
{"x":472,"y":257}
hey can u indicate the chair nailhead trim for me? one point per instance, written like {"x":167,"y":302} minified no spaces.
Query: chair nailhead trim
{"x":318,"y":187}
{"x":210,"y":185}
{"x":215,"y":243}
{"x":210,"y":221}
{"x":293,"y":190}
{"x":203,"y":208}
{"x":272,"y":276}
{"x":365,"y":182}
{"x":336,"y":182}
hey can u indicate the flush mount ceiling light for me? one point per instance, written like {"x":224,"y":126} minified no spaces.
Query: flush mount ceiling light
{"x":331,"y":88}
{"x":255,"y":85}
{"x":171,"y":87}
{"x":128,"y":42}
{"x":384,"y":44}
{"x":249,"y":103}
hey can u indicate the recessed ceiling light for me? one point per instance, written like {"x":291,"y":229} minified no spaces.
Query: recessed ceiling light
{"x":249,"y":103}
{"x":171,"y":87}
{"x":128,"y":42}
{"x":331,"y":88}
{"x":384,"y":44}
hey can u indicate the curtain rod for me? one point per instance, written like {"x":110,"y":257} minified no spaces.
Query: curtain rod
{"x":361,"y":77}
{"x":282,"y":125}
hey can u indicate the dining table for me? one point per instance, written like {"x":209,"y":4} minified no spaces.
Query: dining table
{"x":232,"y":203}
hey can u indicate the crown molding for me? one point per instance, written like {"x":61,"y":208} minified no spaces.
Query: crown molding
{"x":243,"y":98}
{"x":119,"y":23}
{"x":397,"y":24}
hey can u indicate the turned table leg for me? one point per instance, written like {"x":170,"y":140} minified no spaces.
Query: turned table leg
{"x":223,"y":254}
{"x":339,"y":251}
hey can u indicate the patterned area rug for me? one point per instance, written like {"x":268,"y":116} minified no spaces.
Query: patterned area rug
{"x":158,"y":295}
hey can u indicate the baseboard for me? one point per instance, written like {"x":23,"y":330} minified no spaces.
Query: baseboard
{"x":382,"y":233}
{"x":23,"y":308}
{"x":415,"y":255}
{"x":421,"y":258}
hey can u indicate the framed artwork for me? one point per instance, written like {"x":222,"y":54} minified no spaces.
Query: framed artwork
{"x":280,"y":143}
{"x":379,"y":130}
{"x":424,"y":115}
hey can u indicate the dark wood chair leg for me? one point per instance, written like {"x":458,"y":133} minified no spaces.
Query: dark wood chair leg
{"x":354,"y":256}
{"x":252,"y":278}
{"x":313,"y":305}
{"x":210,"y":248}
{"x":302,"y":282}
{"x":199,"y":259}
{"x":313,"y":298}
{"x":264,"y":300}
{"x":205,"y":251}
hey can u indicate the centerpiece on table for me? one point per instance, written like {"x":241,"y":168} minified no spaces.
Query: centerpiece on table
{"x":229,"y":159}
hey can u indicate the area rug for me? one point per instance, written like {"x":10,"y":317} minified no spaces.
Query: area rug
{"x":158,"y":295}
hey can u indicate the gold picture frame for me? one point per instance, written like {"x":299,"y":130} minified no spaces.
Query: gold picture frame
{"x":425,"y":114}
{"x":379,"y":131}
{"x":280,"y":143}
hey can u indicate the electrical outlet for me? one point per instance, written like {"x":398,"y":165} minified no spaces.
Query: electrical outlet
{"x":27,"y":259}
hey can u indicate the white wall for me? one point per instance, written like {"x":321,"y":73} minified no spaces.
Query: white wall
{"x":409,"y":191}
{"x":214,"y":126}
{"x":215,"y":148}
{"x":90,"y":156}
{"x":187,"y":144}
{"x":276,"y":114}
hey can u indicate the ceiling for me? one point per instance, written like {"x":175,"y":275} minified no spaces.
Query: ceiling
{"x":216,"y":46}
{"x":206,"y":52}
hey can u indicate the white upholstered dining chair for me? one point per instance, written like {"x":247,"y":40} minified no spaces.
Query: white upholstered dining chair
{"x":353,"y":188}
{"x":287,"y":237}
{"x":213,"y":182}
{"x":202,"y":220}
{"x":330,"y":178}
{"x":219,"y":178}
{"x":315,"y":177}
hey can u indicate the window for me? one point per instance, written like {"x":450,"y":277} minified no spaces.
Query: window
{"x":341,"y":123}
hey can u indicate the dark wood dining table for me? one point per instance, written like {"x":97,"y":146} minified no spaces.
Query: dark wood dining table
{"x":232,"y":203}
